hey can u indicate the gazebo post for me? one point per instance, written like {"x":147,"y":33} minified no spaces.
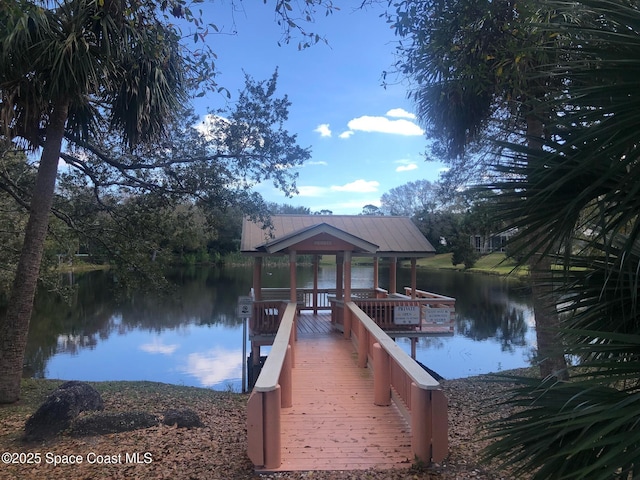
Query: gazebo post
{"x":347,"y":276}
{"x":293,"y":293}
{"x":292,"y":277}
{"x":339,"y":273}
{"x":393,"y":261}
{"x":346,"y":320}
{"x":414,"y":284}
{"x":375,"y":274}
{"x":315,"y":284}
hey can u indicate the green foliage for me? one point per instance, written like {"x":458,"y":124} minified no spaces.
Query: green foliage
{"x":578,"y":199}
{"x":17,"y":175}
{"x":464,"y":253}
{"x":411,"y":198}
{"x":469,"y":63}
{"x":280,"y":209}
{"x":181,"y":200}
{"x":371,"y":210}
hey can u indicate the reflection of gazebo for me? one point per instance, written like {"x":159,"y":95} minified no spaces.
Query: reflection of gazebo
{"x":345,"y":236}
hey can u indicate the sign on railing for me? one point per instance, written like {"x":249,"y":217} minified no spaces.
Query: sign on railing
{"x":437,"y":315}
{"x":406,"y":315}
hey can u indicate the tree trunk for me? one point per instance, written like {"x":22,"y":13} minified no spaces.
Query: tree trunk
{"x":550,"y":355}
{"x":15,"y":326}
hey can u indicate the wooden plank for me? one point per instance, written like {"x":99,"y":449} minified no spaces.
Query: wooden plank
{"x":333,"y":423}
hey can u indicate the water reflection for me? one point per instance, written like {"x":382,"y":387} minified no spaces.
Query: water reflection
{"x":193,"y":336}
{"x":494,"y":330}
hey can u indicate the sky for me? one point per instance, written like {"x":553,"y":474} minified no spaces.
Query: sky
{"x":364,"y":138}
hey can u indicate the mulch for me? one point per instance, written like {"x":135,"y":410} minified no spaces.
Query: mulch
{"x":217,"y":450}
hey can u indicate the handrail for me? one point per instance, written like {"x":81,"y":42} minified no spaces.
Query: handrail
{"x":417,"y":374}
{"x":270,"y":373}
{"x":271,"y":392}
{"x":421,"y":397}
{"x":423,"y":294}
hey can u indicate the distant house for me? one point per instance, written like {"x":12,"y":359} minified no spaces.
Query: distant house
{"x":491,"y":243}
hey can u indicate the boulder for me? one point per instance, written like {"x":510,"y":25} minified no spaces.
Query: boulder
{"x":108,"y":422}
{"x":184,"y":418}
{"x":60,"y":408}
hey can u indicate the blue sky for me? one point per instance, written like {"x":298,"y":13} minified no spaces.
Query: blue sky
{"x":364,"y":138}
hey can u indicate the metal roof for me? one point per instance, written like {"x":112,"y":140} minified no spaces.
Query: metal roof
{"x":393,"y":236}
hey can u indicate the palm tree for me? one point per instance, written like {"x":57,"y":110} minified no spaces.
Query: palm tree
{"x":471,"y":64}
{"x":582,"y":191}
{"x":65,"y":71}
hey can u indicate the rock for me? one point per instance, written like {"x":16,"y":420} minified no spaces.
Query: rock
{"x":184,"y":418}
{"x":60,"y":408}
{"x":103,"y":423}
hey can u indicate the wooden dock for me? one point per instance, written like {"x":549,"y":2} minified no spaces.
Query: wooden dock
{"x":334,"y":424}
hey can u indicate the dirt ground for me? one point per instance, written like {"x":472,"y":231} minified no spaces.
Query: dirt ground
{"x":215,"y":451}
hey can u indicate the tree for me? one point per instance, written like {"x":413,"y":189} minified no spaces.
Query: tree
{"x":371,"y":210}
{"x":410,"y":198}
{"x":275,"y":208}
{"x":438,"y":227}
{"x":209,"y":166}
{"x":17,"y":176}
{"x":75,"y":68}
{"x":469,"y":60}
{"x":59,"y":67}
{"x":581,"y":191}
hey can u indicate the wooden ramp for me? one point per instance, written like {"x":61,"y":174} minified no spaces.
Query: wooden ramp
{"x":333,"y":424}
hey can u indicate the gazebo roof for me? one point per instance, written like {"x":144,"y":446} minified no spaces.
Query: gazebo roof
{"x":369,"y":235}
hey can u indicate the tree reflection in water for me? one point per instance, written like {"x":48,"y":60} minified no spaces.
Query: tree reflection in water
{"x":202,"y":310}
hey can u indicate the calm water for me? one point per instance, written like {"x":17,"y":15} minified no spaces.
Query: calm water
{"x":193,"y":337}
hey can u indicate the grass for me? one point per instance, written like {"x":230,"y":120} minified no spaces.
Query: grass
{"x":493,"y":263}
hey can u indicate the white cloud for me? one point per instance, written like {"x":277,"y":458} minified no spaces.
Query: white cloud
{"x":311,"y":191}
{"x":316,"y":162}
{"x":368,"y":123}
{"x":400,"y":113}
{"x":406,"y":168}
{"x":215,"y":366}
{"x":156,"y":346}
{"x":359,"y":186}
{"x":323,"y":129}
{"x":346,"y":134}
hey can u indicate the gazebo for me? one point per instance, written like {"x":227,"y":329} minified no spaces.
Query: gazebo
{"x":345,"y":236}
{"x":369,"y":319}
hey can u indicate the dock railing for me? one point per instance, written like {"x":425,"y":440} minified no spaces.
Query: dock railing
{"x":397,"y":377}
{"x":271,"y":392}
{"x":306,"y":299}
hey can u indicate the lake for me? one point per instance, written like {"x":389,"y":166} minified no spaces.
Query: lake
{"x":194,"y":337}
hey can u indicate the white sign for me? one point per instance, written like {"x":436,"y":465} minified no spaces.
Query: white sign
{"x":438,"y":315}
{"x":406,"y":315}
{"x":244,"y":306}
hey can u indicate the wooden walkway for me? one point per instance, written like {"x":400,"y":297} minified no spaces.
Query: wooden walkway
{"x":334,"y":424}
